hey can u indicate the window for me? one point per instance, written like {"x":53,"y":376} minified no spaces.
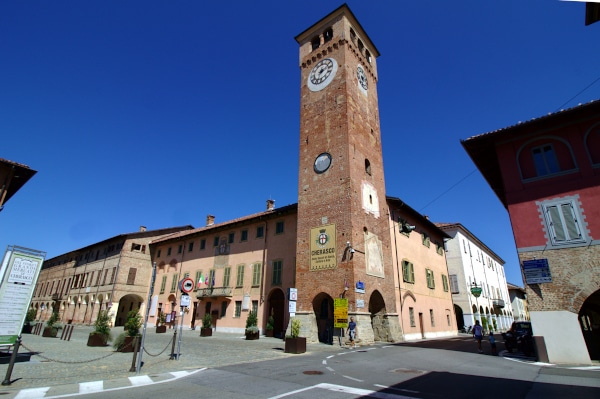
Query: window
{"x":454,"y":284}
{"x":368,"y":167}
{"x":136,"y":248}
{"x":430,"y":280}
{"x":226,"y":276}
{"x":255,"y":306}
{"x":328,"y":35}
{"x":445,"y":282}
{"x":239,"y":282}
{"x":260,"y":232}
{"x":163,"y":284}
{"x":411,"y":315}
{"x":277,"y":269}
{"x":431,"y":317}
{"x":112,"y":275}
{"x":223,"y":308}
{"x":180,"y":249}
{"x":174,"y":283}
{"x":544,"y":159}
{"x":368,"y":56}
{"x":256,"y":274}
{"x":562,"y":222}
{"x":211,"y":278}
{"x":244,"y":235}
{"x":158,"y":254}
{"x":279,"y":227}
{"x":425,"y":239}
{"x":408,"y":271}
{"x":231,"y":238}
{"x":202,"y":243}
{"x":169,"y":251}
{"x":238,"y":309}
{"x":439,"y":248}
{"x":216,"y":241}
{"x":190,"y":247}
{"x":315,"y":43}
{"x":131,"y":276}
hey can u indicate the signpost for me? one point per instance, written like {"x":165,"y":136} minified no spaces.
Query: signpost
{"x":537,"y":271}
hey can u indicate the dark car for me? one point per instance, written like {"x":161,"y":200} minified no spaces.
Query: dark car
{"x":520,"y":336}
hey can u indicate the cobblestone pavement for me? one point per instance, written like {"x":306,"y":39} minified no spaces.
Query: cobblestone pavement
{"x":60,"y":362}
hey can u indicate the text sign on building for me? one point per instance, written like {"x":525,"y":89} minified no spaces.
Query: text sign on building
{"x":537,"y":271}
{"x":20,"y":270}
{"x":322,"y":247}
{"x":340,"y":312}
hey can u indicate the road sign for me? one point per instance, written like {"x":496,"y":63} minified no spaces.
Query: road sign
{"x":184,"y":301}
{"x":293,"y":294}
{"x":340,"y":312}
{"x":186,"y":285}
{"x":537,"y":271}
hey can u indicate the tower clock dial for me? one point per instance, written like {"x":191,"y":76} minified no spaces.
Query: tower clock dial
{"x":322,"y":74}
{"x":362,"y":78}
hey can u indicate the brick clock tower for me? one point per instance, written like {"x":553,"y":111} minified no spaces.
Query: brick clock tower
{"x":343,"y":238}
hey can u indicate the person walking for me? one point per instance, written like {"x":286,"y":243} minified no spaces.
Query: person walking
{"x":352,"y":332}
{"x":478,"y":334}
{"x":493,"y":343}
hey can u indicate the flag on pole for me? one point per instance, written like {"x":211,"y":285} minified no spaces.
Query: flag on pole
{"x":200,"y":280}
{"x":206,"y":279}
{"x":213,"y":280}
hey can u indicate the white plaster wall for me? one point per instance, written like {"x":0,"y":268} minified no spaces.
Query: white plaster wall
{"x":562,"y":335}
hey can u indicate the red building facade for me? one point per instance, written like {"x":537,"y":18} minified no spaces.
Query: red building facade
{"x":546,"y":172}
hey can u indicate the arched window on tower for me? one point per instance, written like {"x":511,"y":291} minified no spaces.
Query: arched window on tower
{"x":315,"y":43}
{"x":352,"y":35}
{"x":361,"y":46}
{"x":328,"y":35}
{"x":368,"y":167}
{"x":368,"y":56}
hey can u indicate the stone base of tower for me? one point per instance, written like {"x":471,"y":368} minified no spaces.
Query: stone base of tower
{"x":383,"y":327}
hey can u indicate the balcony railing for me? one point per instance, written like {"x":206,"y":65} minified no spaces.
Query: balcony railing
{"x":56,"y":296}
{"x":499,"y":303}
{"x":213,"y":292}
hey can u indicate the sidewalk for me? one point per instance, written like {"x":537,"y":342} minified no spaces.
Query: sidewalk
{"x":57,"y":362}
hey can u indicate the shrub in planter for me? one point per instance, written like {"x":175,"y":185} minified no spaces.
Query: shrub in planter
{"x":101,"y":334}
{"x":294,"y":343}
{"x":161,"y":327}
{"x":29,"y":317}
{"x":126,"y":341}
{"x":206,"y":330}
{"x":270,"y":326}
{"x":51,"y":329}
{"x":252,"y":331}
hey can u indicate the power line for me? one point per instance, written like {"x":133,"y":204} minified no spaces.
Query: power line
{"x":570,"y":99}
{"x":451,"y":187}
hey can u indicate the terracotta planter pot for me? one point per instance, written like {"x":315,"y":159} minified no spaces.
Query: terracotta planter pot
{"x":295,"y":345}
{"x":50,"y":332}
{"x":252,"y":336}
{"x":161,"y":329}
{"x":269,"y":333}
{"x":206,"y":332}
{"x":96,"y":340}
{"x":128,"y":345}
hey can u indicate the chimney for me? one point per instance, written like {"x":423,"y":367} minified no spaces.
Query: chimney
{"x":142,"y":228}
{"x":210,"y":220}
{"x":270,"y":204}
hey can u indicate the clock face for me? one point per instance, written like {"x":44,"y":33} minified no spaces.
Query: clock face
{"x":322,"y":74}
{"x":322,"y":163}
{"x":362,"y":77}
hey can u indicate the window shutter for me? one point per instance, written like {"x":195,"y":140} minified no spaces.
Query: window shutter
{"x":454,"y":284}
{"x":412,"y":272}
{"x":556,"y":223}
{"x":131,"y":276}
{"x":570,"y":221}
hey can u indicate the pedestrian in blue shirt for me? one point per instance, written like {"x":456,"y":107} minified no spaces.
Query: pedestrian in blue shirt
{"x":352,"y":332}
{"x":478,"y":334}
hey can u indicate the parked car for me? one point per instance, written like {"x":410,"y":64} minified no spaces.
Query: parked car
{"x":520,"y":336}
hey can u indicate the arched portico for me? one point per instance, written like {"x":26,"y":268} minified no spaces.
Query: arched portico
{"x":276,"y":308}
{"x":589,"y":321}
{"x":126,"y":304}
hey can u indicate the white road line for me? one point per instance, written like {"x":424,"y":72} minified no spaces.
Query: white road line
{"x":324,"y":362}
{"x":352,"y":378}
{"x":32,"y":393}
{"x":93,"y":386}
{"x":396,"y":389}
{"x":283,"y":395}
{"x":140,"y":380}
{"x":361,"y":392}
{"x":330,"y":369}
{"x":329,"y":357}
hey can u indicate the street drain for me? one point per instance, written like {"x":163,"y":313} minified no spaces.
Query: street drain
{"x":312,"y":372}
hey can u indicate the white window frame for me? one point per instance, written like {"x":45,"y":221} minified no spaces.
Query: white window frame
{"x":563,"y":222}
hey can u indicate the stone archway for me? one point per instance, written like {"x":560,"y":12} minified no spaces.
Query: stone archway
{"x":460,"y":321}
{"x":379,"y":321}
{"x":126,"y":304}
{"x":323,"y":308}
{"x":276,"y":308}
{"x":589,"y":321}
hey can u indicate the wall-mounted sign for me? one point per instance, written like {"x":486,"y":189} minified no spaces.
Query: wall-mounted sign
{"x":246,"y":302}
{"x":292,"y":308}
{"x":360,"y":287}
{"x":293,"y":294}
{"x":537,"y":271}
{"x":360,"y":303}
{"x":322,"y":247}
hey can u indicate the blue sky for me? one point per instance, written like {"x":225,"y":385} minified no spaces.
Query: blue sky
{"x":158,"y":113}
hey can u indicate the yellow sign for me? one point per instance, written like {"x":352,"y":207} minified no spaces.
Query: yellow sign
{"x":322,"y":248}
{"x":340,"y":312}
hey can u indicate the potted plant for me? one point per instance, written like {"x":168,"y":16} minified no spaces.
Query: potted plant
{"x":206,"y":330}
{"x":51,"y":329}
{"x":294,"y":343}
{"x":252,"y":331}
{"x":270,"y":326}
{"x":101,"y":334}
{"x":161,"y":327}
{"x":29,"y":317}
{"x":127,"y":340}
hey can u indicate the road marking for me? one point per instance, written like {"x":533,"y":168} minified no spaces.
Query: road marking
{"x":352,"y":378}
{"x":396,"y":389}
{"x":330,"y":369}
{"x":361,"y":392}
{"x":324,"y":362}
{"x":32,"y":393}
{"x":140,"y":380}
{"x":93,"y":386}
